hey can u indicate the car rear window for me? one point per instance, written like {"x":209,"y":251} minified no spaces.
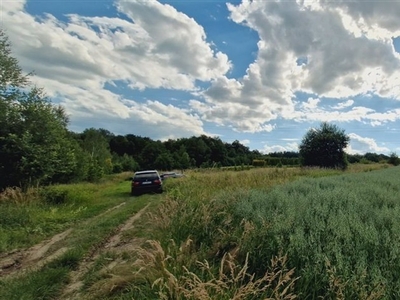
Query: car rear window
{"x":146,"y":175}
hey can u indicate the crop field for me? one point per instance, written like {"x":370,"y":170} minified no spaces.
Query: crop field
{"x":279,"y":233}
{"x":334,"y":237}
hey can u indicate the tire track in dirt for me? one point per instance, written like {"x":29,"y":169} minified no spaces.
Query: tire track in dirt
{"x":21,"y":260}
{"x":114,"y":243}
{"x":37,"y":256}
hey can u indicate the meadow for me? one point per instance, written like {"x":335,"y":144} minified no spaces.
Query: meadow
{"x":264,"y":233}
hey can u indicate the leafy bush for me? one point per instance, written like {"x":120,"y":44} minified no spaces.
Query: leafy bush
{"x":54,"y":195}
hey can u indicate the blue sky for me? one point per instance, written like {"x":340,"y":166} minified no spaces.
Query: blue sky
{"x":261,"y":72}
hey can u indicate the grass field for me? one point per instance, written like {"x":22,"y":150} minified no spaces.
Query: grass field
{"x":280,"y":233}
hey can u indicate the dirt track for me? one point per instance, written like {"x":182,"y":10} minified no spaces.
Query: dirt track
{"x":114,"y":243}
{"x":19,"y":261}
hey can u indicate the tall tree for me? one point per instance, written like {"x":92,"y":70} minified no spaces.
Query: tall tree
{"x":96,"y":144}
{"x":150,"y":153}
{"x":33,"y":134}
{"x":324,"y":147}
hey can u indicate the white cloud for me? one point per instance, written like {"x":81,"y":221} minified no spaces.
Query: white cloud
{"x":310,"y":111}
{"x":73,"y":60}
{"x":361,"y":145}
{"x":279,"y":148}
{"x":367,"y":16}
{"x":345,"y":49}
{"x":310,"y":104}
{"x":343,"y":105}
{"x":175,"y":40}
{"x":337,"y":63}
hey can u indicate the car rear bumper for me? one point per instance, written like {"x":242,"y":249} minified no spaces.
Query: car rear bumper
{"x":146,"y":189}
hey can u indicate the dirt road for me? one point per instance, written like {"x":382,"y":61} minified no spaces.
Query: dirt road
{"x":17,"y":262}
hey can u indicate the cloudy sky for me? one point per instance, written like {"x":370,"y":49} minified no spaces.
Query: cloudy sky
{"x":261,"y":72}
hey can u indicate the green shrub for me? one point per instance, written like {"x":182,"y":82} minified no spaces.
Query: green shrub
{"x":14,"y":216}
{"x":394,"y":159}
{"x":54,"y":195}
{"x":117,"y":168}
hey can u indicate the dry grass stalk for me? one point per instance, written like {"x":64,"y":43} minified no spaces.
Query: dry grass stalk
{"x":17,"y":196}
{"x":338,"y":287}
{"x":174,"y":280}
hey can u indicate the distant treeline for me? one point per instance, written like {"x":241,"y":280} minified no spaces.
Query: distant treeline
{"x":132,"y":152}
{"x":90,"y":155}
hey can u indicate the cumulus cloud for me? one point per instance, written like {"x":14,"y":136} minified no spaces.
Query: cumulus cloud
{"x":310,"y":111}
{"x":367,"y":16}
{"x":280,"y":148}
{"x":155,"y":46}
{"x":330,"y":49}
{"x":339,"y":64}
{"x":336,"y":49}
{"x":343,"y":105}
{"x":361,"y":145}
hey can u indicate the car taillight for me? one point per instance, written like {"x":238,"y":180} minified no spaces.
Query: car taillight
{"x":157,"y":181}
{"x":135,"y":183}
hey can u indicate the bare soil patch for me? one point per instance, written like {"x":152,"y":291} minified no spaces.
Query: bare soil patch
{"x":34,"y":257}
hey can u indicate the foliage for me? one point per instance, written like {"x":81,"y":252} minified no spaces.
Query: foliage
{"x":96,"y":144}
{"x":324,"y":147}
{"x":394,"y":159}
{"x":34,"y":143}
{"x":164,"y":161}
{"x":124,"y":163}
{"x":11,"y":76}
{"x":258,"y":162}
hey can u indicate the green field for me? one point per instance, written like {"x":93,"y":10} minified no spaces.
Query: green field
{"x":279,"y":233}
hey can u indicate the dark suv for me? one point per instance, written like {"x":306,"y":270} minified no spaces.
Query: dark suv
{"x":146,"y":181}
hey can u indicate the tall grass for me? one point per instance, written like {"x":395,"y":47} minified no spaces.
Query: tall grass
{"x":90,"y":229}
{"x":29,"y":217}
{"x":340,"y":234}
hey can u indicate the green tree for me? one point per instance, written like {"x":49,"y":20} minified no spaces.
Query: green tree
{"x":95,"y":143}
{"x":164,"y":161}
{"x":183,"y":159}
{"x":34,"y":142}
{"x":394,"y":159}
{"x":197,"y":150}
{"x":150,"y":153}
{"x":124,"y":163}
{"x":324,"y":147}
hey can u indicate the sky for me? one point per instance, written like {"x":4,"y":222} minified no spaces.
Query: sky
{"x":261,"y":72}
